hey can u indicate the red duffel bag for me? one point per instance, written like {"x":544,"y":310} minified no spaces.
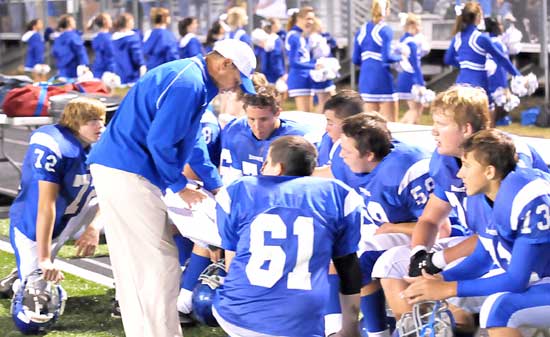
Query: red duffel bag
{"x":31,"y":100}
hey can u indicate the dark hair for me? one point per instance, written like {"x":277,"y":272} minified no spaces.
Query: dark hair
{"x":210,"y":36}
{"x":492,"y":147}
{"x":369,"y":135}
{"x":297,"y":155}
{"x":122,"y":21}
{"x":99,"y":21}
{"x":345,"y":103}
{"x":302,"y":13}
{"x":184,"y":23}
{"x":31,"y":24}
{"x":63,"y":22}
{"x":492,"y":26}
{"x":470,"y":13}
{"x":265,"y":97}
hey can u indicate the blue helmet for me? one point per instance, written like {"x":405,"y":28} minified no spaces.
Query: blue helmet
{"x":37,"y":304}
{"x":203,"y":295}
{"x":427,"y":319}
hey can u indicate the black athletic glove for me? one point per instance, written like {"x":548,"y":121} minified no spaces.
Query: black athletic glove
{"x":429,"y":267}
{"x":418,"y":262}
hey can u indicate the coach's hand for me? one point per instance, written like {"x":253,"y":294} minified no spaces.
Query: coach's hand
{"x":192,"y":196}
{"x":50,"y":272}
{"x":87,"y":242}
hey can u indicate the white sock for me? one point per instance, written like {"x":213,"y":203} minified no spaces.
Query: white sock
{"x":333,"y":323}
{"x":385,"y":333}
{"x":185,"y":301}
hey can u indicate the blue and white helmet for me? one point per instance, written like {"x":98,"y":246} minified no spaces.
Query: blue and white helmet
{"x":427,"y":319}
{"x":203,"y":295}
{"x":37,"y":304}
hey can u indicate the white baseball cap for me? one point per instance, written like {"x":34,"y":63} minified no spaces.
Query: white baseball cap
{"x":243,"y":58}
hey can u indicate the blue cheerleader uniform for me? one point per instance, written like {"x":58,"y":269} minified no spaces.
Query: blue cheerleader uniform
{"x":240,"y":34}
{"x":189,"y":46}
{"x":412,"y":73}
{"x":499,"y":77}
{"x":325,"y":86}
{"x":69,"y":52}
{"x":372,"y":52}
{"x":299,"y":63}
{"x":104,"y":54}
{"x":159,"y":47}
{"x":272,"y":63}
{"x":128,"y":55}
{"x":468,"y":51}
{"x":35,"y":49}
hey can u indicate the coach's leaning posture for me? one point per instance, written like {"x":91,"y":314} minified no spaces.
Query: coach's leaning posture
{"x":143,"y":152}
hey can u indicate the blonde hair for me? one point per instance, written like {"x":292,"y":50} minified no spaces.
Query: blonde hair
{"x":464,"y":104}
{"x":378,"y":12}
{"x":236,"y":17}
{"x":159,"y":15}
{"x":412,"y":19}
{"x":81,"y":110}
{"x":302,"y":13}
{"x":470,"y":14}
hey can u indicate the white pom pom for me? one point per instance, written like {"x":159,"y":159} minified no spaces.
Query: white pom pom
{"x":532,"y":83}
{"x":490,"y":67}
{"x":41,"y":69}
{"x":500,"y":96}
{"x":281,"y":86}
{"x":422,"y":95}
{"x":110,"y":79}
{"x":259,"y":36}
{"x":81,"y":70}
{"x":518,"y":86}
{"x":512,"y":103}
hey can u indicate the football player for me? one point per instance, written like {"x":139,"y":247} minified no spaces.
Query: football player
{"x":515,"y":204}
{"x":280,"y":231}
{"x":56,"y":197}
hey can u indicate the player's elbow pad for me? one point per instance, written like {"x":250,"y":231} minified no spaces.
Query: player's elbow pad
{"x":349,"y":272}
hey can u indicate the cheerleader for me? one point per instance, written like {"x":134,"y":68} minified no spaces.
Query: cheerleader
{"x":102,"y":45}
{"x":128,"y":53}
{"x":320,"y":48}
{"x":35,"y":48}
{"x":411,"y":73}
{"x":271,"y":55}
{"x":237,"y":19}
{"x":215,"y":34}
{"x":372,"y":52}
{"x":189,"y":43}
{"x":68,"y":49}
{"x":159,"y":44}
{"x":299,"y":58}
{"x":469,"y":49}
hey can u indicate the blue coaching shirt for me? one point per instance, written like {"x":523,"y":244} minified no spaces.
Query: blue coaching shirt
{"x":157,"y":124}
{"x":285,"y":231}
{"x":242,"y":153}
{"x":54,"y":155}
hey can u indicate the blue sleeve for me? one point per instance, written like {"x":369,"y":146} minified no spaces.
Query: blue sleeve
{"x":46,"y":164}
{"x":349,"y":230}
{"x":195,"y":47}
{"x":439,"y":191}
{"x":36,"y":48}
{"x":171,"y":136}
{"x":227,"y":226}
{"x":136,"y":53}
{"x":356,"y":57}
{"x":246,"y":39}
{"x":171,"y":47}
{"x":472,"y":267}
{"x":110,"y":53}
{"x":415,"y":62}
{"x":294,"y":55}
{"x":515,"y":279}
{"x":387,"y":35}
{"x":485,"y":42}
{"x":450,"y":55}
{"x":202,"y":165}
{"x":79,"y":50}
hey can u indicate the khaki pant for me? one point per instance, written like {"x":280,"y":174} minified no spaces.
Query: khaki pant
{"x":143,"y":254}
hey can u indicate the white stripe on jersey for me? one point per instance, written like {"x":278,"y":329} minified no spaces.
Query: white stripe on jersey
{"x":473,"y":43}
{"x":416,"y":170}
{"x":458,"y":41}
{"x":171,"y":83}
{"x":532,"y":190}
{"x":362,"y":34}
{"x":224,"y":200}
{"x":46,"y":140}
{"x":352,"y":202}
{"x":376,"y":33}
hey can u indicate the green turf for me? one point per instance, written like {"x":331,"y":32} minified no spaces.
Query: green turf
{"x":87,"y":311}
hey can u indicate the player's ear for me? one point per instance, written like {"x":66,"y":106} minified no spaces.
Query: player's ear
{"x":279,"y":169}
{"x":490,"y":172}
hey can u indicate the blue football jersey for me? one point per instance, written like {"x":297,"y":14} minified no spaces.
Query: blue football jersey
{"x":326,"y":150}
{"x":284,"y":231}
{"x":54,"y":155}
{"x":211,"y":133}
{"x":341,"y":171}
{"x":398,"y":188}
{"x":522,"y":212}
{"x":242,"y":153}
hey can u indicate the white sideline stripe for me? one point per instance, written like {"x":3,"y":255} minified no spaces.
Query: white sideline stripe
{"x":97,"y":263}
{"x":15,"y":141}
{"x":69,"y":268}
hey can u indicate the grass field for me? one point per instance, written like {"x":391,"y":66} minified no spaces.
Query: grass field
{"x":88,"y":309}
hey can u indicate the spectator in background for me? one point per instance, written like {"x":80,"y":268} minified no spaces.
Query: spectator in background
{"x":103,"y":45}
{"x":128,"y":53}
{"x":189,"y":43}
{"x":215,"y":33}
{"x":68,"y":49}
{"x":159,"y":44}
{"x":35,"y":46}
{"x":237,"y":19}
